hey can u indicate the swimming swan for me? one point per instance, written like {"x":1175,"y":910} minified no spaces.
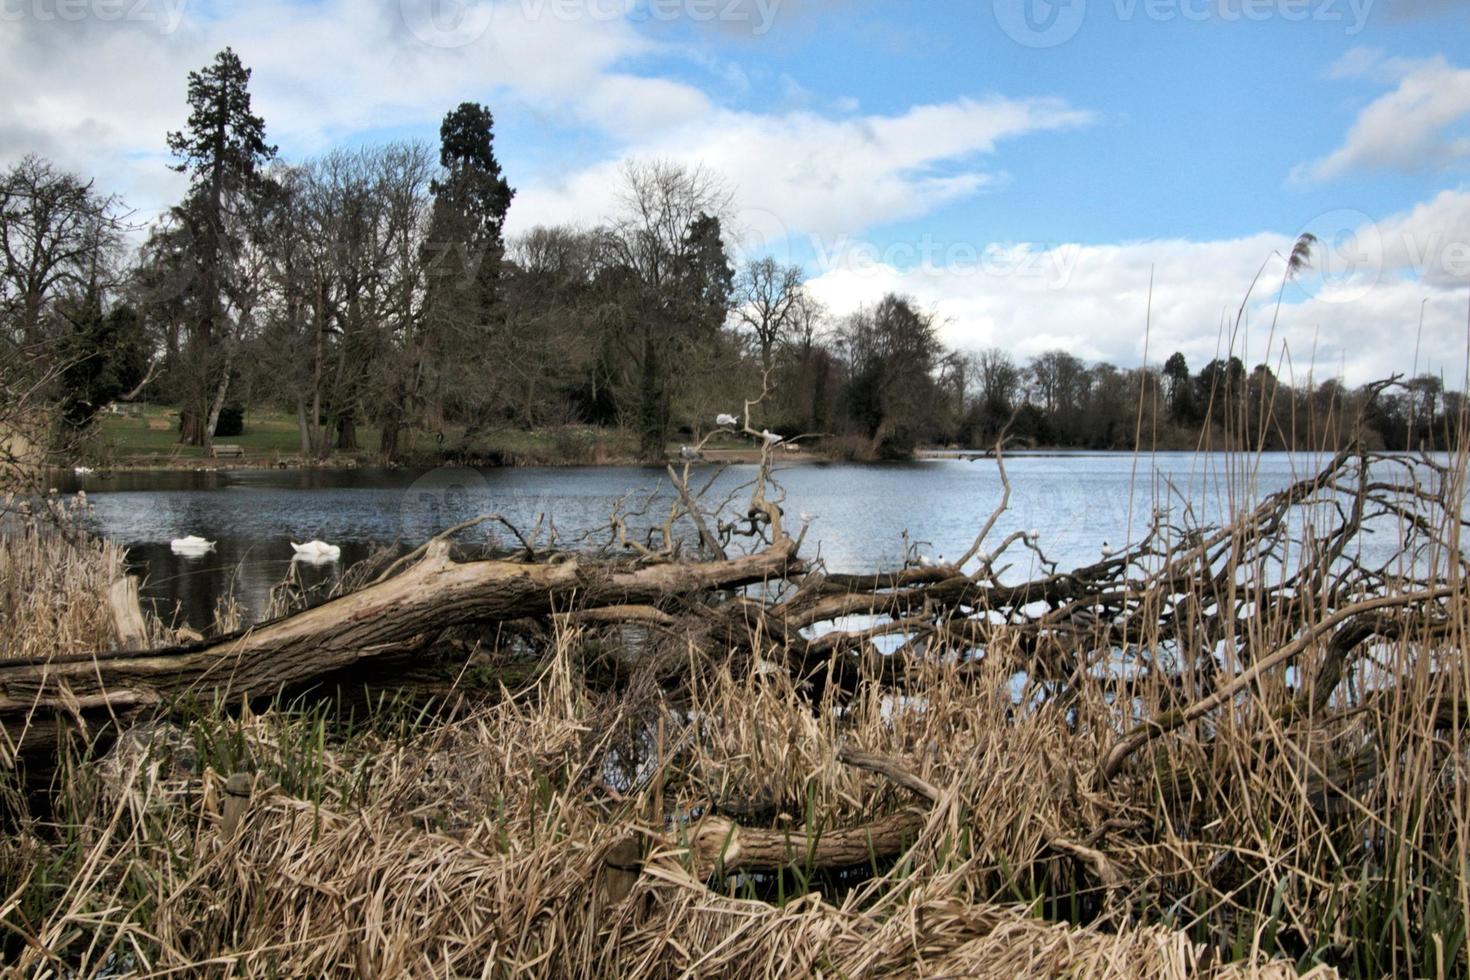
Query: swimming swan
{"x":191,"y":545}
{"x":316,"y":551}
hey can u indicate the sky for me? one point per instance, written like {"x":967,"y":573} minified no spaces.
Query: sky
{"x":1117,"y":178}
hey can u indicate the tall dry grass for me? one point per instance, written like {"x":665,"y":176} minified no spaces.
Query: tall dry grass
{"x":54,"y":580}
{"x":403,"y":846}
{"x":554,"y":830}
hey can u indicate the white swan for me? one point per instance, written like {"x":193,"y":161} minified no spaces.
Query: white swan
{"x":316,"y":551}
{"x":193,"y":544}
{"x":726,"y":419}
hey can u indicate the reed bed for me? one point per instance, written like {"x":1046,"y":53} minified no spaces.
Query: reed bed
{"x":479,"y":846}
{"x":1071,"y":795}
{"x":54,"y":580}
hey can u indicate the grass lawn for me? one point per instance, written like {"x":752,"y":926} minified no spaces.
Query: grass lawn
{"x":154,"y":435}
{"x":151,"y":438}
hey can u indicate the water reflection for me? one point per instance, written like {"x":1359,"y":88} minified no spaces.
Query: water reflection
{"x":1077,"y":503}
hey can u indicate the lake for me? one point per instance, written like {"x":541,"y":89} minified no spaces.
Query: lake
{"x":858,"y":513}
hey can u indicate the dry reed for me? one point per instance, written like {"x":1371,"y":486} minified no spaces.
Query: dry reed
{"x":562,"y":829}
{"x":54,"y":580}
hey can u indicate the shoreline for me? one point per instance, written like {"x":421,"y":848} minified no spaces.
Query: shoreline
{"x":738,"y":457}
{"x":172,"y":464}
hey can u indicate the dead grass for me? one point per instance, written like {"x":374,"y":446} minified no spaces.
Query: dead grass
{"x":479,"y":845}
{"x":54,"y":580}
{"x":560,"y":830}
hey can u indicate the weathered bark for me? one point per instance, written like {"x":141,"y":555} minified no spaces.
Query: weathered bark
{"x":218,"y":404}
{"x":301,"y":429}
{"x":393,"y":616}
{"x":127,"y":614}
{"x":718,"y":843}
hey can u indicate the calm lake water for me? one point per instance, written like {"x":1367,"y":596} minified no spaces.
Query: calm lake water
{"x":858,"y":512}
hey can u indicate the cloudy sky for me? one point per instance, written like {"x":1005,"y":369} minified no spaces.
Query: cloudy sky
{"x":1024,"y":168}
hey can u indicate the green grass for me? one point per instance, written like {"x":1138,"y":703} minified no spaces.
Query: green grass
{"x":151,"y":437}
{"x":156,"y":433}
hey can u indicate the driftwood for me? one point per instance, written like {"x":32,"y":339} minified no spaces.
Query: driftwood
{"x":127,"y":614}
{"x":1176,"y":608}
{"x":721,"y":844}
{"x":401,"y":614}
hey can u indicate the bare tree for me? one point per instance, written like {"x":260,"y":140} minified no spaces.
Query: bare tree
{"x":665,"y":248}
{"x":999,"y":379}
{"x":767,"y":303}
{"x":56,"y":233}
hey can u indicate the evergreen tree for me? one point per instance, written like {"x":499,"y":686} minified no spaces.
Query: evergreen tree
{"x":105,"y":355}
{"x":223,"y":149}
{"x":471,"y":199}
{"x":1178,"y":388}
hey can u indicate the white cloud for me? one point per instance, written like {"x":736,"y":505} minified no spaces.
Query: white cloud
{"x":1355,"y":311}
{"x":804,"y":173}
{"x":1407,"y":129}
{"x":99,"y":95}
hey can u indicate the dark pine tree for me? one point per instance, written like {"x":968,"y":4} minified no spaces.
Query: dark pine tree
{"x":1179,"y":388}
{"x":223,"y":150}
{"x":472,"y":198}
{"x":105,"y":356}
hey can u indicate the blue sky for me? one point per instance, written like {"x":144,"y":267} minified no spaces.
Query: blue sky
{"x":1021,"y":168}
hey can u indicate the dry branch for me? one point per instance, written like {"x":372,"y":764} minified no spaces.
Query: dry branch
{"x":392,"y":616}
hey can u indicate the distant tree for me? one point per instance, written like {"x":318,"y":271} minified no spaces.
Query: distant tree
{"x":893,"y":350}
{"x":104,"y":355}
{"x":223,"y":150}
{"x":1263,"y":411}
{"x":550,"y":309}
{"x":1107,"y":422}
{"x":471,"y":200}
{"x":57,"y":236}
{"x":767,"y":303}
{"x":667,"y":272}
{"x":1179,"y":389}
{"x":1059,"y":379}
{"x":1422,"y":403}
{"x":1218,"y":385}
{"x":1000,"y":382}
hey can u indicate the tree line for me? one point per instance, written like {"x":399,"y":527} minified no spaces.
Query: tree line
{"x":375,"y":287}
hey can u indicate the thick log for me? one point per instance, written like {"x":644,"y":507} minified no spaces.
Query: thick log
{"x":127,"y":614}
{"x":388,"y":617}
{"x":720,"y":843}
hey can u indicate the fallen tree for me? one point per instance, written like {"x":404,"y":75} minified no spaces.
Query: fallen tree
{"x":1213,"y":718}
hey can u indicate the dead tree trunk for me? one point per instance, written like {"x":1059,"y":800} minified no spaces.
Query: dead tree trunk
{"x":394,"y":616}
